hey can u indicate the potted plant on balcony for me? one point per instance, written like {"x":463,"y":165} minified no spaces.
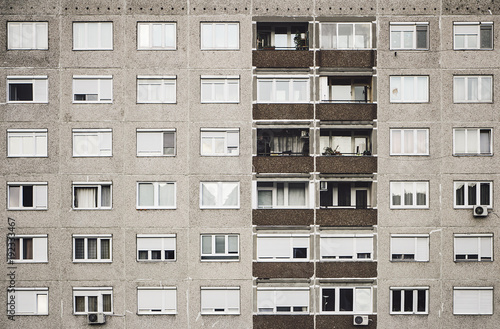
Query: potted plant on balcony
{"x":329,"y":151}
{"x":300,"y":41}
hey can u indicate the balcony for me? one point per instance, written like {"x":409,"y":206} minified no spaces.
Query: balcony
{"x":342,"y":321}
{"x":347,"y":58}
{"x":290,"y":217}
{"x":346,"y":217}
{"x":346,"y":269}
{"x":346,"y":111}
{"x":283,"y":164}
{"x":346,"y":164}
{"x":268,"y":57}
{"x":270,"y":270}
{"x":285,"y":321}
{"x":266,"y":111}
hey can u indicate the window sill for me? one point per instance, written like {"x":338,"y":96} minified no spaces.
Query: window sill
{"x":156,"y":260}
{"x":26,"y":102}
{"x":159,"y":208}
{"x":472,"y":155}
{"x":27,"y":209}
{"x":157,"y":313}
{"x":92,"y":261}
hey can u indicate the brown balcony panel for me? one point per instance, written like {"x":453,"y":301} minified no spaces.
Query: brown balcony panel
{"x":346,"y":217}
{"x":346,"y":111}
{"x":282,"y":58}
{"x":342,"y":321}
{"x":338,"y":164}
{"x":283,"y":111}
{"x":270,"y":270}
{"x":346,"y":269}
{"x":284,"y":321}
{"x":283,"y":164}
{"x":283,"y":216}
{"x":347,"y":58}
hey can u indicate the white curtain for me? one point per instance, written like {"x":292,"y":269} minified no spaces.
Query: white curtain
{"x":86,"y":197}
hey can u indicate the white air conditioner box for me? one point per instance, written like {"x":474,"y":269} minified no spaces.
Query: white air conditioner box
{"x":96,"y":318}
{"x":480,"y":211}
{"x":360,"y":320}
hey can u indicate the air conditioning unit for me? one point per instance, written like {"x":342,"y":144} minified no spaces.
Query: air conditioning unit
{"x":360,"y":320}
{"x":323,"y":186}
{"x":480,"y":211}
{"x":96,"y":318}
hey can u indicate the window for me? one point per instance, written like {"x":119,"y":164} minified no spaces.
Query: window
{"x":92,"y":248}
{"x":470,"y":194}
{"x":406,"y":195}
{"x":474,"y":247}
{"x":346,"y":247}
{"x":220,"y":36}
{"x":92,"y":36}
{"x":410,"y":141}
{"x":283,"y":142}
{"x":156,"y":247}
{"x":409,"y":89}
{"x":220,"y":300}
{"x":282,"y":36}
{"x":472,"y":141}
{"x":156,"y":36}
{"x":346,"y":35}
{"x":27,"y":142}
{"x":92,"y":300}
{"x":220,"y":89}
{"x":92,"y":142}
{"x":410,"y":300}
{"x":473,"y":89}
{"x":27,"y":89}
{"x":29,"y":301}
{"x":156,"y":89}
{"x":219,"y":195}
{"x":346,"y":300}
{"x":473,"y":300}
{"x":346,"y":195}
{"x":153,"y":300}
{"x":469,"y":35}
{"x":27,"y":196}
{"x":410,"y":247}
{"x":27,"y":248}
{"x":28,"y":35}
{"x":282,"y":300}
{"x":92,"y":89}
{"x":220,"y":141}
{"x":356,"y":89}
{"x":92,"y":195}
{"x":220,"y":247}
{"x":156,"y":195}
{"x":283,"y":90}
{"x":410,"y":36}
{"x":155,"y":142}
{"x":282,"y":194}
{"x":283,"y":247}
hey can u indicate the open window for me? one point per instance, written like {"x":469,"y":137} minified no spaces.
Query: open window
{"x":345,"y":141}
{"x":27,"y":89}
{"x":282,"y":36}
{"x":345,"y":194}
{"x":272,"y":142}
{"x":336,"y":89}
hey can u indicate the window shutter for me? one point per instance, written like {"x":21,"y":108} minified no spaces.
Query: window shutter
{"x":41,"y":144}
{"x":363,"y":301}
{"x":328,"y":247}
{"x":271,"y":248}
{"x":265,"y":300}
{"x":169,"y":243}
{"x":14,"y":35}
{"x":149,"y":300}
{"x":85,"y":86}
{"x":485,"y":301}
{"x":40,"y":249}
{"x":403,"y":245}
{"x":105,"y":143}
{"x":466,"y":302}
{"x":292,"y":297}
{"x":212,"y":299}
{"x":149,"y":143}
{"x":466,"y":245}
{"x":233,"y":139}
{"x":486,"y":247}
{"x":40,"y":194}
{"x":300,"y":242}
{"x":40,"y":90}
{"x":25,"y":302}
{"x":422,"y":249}
{"x":364,"y":245}
{"x":106,"y":89}
{"x":149,"y":243}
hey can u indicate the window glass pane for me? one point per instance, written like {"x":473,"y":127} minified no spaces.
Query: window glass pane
{"x":91,"y":248}
{"x":264,"y":90}
{"x":395,"y":88}
{"x":472,"y":89}
{"x":143,"y":34}
{"x":105,"y":196}
{"x":166,"y":194}
{"x":345,"y":34}
{"x":486,"y":37}
{"x":209,"y":194}
{"x":230,"y":196}
{"x":396,"y":300}
{"x":486,"y":89}
{"x":346,"y":300}
{"x":408,"y":301}
{"x":459,"y":141}
{"x":92,"y":35}
{"x":460,"y":194}
{"x":206,"y":244}
{"x":105,"y":249}
{"x":106,"y":35}
{"x":27,"y":248}
{"x":421,"y":300}
{"x":459,"y":89}
{"x":421,"y":194}
{"x":106,"y":303}
{"x":363,"y":300}
{"x":206,"y":36}
{"x":232,"y":244}
{"x":232,"y":36}
{"x":42,"y":304}
{"x":472,"y":141}
{"x":220,"y":35}
{"x":328,"y":300}
{"x":92,"y":303}
{"x":79,"y":303}
{"x":408,"y":190}
{"x":362,"y":36}
{"x":146,"y":192}
{"x":79,"y":249}
{"x":485,"y":137}
{"x":485,"y":194}
{"x":396,"y":194}
{"x":220,"y":244}
{"x":472,"y":193}
{"x":282,"y":91}
{"x":296,"y":194}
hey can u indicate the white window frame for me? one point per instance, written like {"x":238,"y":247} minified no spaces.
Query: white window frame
{"x":415,"y":291}
{"x":283,"y":295}
{"x":468,"y":133}
{"x":99,"y":186}
{"x":156,"y":196}
{"x":102,"y":86}
{"x":219,"y":201}
{"x":231,"y":146}
{"x":475,"y":30}
{"x":356,"y":309}
{"x":354,"y":251}
{"x":265,"y":253}
{"x":40,"y":88}
{"x":87,"y":35}
{"x":213,"y":255}
{"x":401,"y":99}
{"x":227,"y":82}
{"x":352,"y":36}
{"x":483,"y":247}
{"x":157,"y":242}
{"x":225,"y":300}
{"x":39,"y":303}
{"x":274,"y":190}
{"x":466,"y":194}
{"x":97,"y":292}
{"x":167,"y":89}
{"x":419,"y":250}
{"x":402,"y":140}
{"x":408,"y":27}
{"x":104,"y":147}
{"x":212,"y":36}
{"x":38,"y":40}
{"x":413,"y":187}
{"x":39,"y":195}
{"x":149,"y":28}
{"x":482,"y":300}
{"x":291,"y":81}
{"x":165,"y":296}
{"x":37,"y":137}
{"x":160,"y":151}
{"x":39,"y":246}
{"x":482,"y":79}
{"x":99,"y":238}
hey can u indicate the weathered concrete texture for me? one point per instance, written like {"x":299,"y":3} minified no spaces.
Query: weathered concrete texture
{"x":282,"y":58}
{"x":283,"y":111}
{"x":283,"y":216}
{"x":346,"y":217}
{"x":469,"y":7}
{"x":346,"y":164}
{"x":342,"y":322}
{"x":283,"y":321}
{"x":344,"y":112}
{"x":283,"y":164}
{"x":347,"y":58}
{"x":346,"y":270}
{"x":283,"y":270}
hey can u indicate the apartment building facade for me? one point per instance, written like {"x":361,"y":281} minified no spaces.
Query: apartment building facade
{"x":250,"y":165}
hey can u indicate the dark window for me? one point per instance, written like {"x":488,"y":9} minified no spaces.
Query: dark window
{"x":27,"y":196}
{"x":299,"y":252}
{"x":396,"y":300}
{"x":328,"y":300}
{"x":346,"y":300}
{"x":169,"y":254}
{"x":20,"y":92}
